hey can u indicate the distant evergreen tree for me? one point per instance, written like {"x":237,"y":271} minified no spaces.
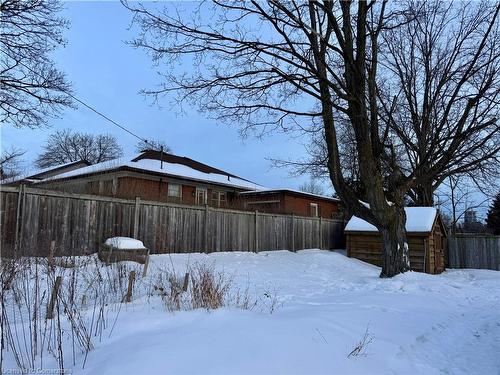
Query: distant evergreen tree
{"x":493,"y":218}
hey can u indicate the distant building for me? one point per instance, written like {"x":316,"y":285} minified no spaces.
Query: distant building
{"x":470,"y":217}
{"x":471,"y":224}
{"x":163,"y":177}
{"x":287,"y":201}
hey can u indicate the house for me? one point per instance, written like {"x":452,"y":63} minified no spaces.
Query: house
{"x":287,"y":201}
{"x":155,"y":176}
{"x":158,"y":176}
{"x":425,"y":235}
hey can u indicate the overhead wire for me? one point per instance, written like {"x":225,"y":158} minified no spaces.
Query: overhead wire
{"x":99,"y":113}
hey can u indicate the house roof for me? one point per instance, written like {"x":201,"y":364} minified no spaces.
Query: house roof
{"x":418,"y":219}
{"x":153,"y":162}
{"x":43,"y":173}
{"x":289,"y":191}
{"x":175,"y":159}
{"x":54,"y":170}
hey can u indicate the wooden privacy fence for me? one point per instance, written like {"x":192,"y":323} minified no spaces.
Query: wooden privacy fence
{"x":474,"y":251}
{"x":79,"y":224}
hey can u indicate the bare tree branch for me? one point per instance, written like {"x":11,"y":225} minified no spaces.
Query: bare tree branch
{"x":32,"y":89}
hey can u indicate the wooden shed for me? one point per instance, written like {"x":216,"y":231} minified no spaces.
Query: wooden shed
{"x":425,"y":233}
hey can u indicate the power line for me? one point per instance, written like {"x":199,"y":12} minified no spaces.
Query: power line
{"x":107,"y":118}
{"x":91,"y":108}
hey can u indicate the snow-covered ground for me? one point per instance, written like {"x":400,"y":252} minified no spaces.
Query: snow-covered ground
{"x":322,"y":305}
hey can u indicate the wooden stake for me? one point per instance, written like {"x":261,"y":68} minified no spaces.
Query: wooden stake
{"x":186,"y":282}
{"x":146,"y":264}
{"x":52,"y":252}
{"x":53,"y":297}
{"x":131,"y":278}
{"x":108,"y":260}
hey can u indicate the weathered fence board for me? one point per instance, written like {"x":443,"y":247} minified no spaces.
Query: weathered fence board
{"x":79,"y":224}
{"x":466,"y":251}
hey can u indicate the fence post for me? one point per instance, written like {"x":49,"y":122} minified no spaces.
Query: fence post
{"x":293,"y":232}
{"x":320,"y":233}
{"x":20,"y":196}
{"x":136,"y":216}
{"x":256,"y":226}
{"x":205,"y":240}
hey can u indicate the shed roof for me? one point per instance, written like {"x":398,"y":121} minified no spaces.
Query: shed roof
{"x":418,"y":219}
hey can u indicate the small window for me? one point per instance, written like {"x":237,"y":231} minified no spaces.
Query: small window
{"x":201,"y":196}
{"x":222,"y":199}
{"x":218,"y":198}
{"x":174,"y":190}
{"x":174,"y":193}
{"x":314,"y":209}
{"x":215,"y":198}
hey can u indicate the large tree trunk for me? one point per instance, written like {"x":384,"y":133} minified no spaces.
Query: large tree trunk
{"x":395,"y":254}
{"x":424,"y":195}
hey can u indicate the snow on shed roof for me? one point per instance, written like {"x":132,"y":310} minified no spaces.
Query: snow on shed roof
{"x":418,"y":219}
{"x":166,"y":168}
{"x":125,"y":243}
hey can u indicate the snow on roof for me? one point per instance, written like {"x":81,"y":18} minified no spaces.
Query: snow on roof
{"x":263,"y":191}
{"x":418,"y":219}
{"x":38,"y":171}
{"x":155,"y":166}
{"x":124,"y":243}
{"x":28,"y":176}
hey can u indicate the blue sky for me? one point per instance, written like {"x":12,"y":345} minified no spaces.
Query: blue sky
{"x":108,"y":74}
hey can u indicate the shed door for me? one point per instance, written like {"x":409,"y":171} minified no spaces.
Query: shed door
{"x":438,"y":251}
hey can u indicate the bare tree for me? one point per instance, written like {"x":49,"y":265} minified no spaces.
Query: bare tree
{"x":443,"y":93}
{"x":456,"y":196}
{"x":32,"y":89}
{"x":286,"y":65}
{"x":316,"y":161}
{"x":10,"y":163}
{"x":426,"y":90}
{"x":152,"y":144}
{"x":312,"y":186}
{"x":65,"y":146}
